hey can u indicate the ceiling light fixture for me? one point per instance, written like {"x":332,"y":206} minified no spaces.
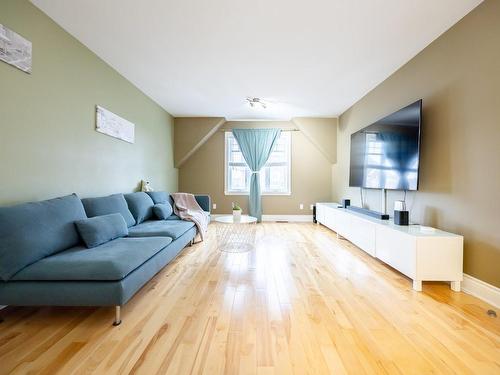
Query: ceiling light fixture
{"x":256,"y":102}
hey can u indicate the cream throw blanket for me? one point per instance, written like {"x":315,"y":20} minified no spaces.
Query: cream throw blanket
{"x":186,"y":207}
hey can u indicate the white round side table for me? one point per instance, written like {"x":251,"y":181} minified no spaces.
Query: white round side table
{"x":236,"y":235}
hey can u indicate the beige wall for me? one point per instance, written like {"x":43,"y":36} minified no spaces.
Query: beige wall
{"x":192,"y":132}
{"x":48,"y":142}
{"x":458,"y":77}
{"x":322,"y":132}
{"x":311,"y":171}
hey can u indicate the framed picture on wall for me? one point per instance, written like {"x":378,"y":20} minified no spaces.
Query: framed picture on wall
{"x":15,"y":50}
{"x":113,"y":125}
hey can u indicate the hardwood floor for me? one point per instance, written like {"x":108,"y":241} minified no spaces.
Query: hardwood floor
{"x":303,"y":302}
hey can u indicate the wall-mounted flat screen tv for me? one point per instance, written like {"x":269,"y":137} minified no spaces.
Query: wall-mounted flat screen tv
{"x":385,"y":154}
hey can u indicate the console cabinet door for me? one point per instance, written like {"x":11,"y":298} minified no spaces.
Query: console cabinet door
{"x":362,"y":234}
{"x":330,"y":218}
{"x":342,"y":222}
{"x":397,"y":249}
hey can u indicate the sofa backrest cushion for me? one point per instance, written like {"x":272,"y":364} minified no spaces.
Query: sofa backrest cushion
{"x":159,"y":196}
{"x":101,"y":229}
{"x":140,"y":205}
{"x":164,"y":197}
{"x":162,"y":210}
{"x":112,"y":204}
{"x":32,"y":231}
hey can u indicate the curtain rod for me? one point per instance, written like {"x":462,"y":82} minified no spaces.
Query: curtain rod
{"x":282,"y":129}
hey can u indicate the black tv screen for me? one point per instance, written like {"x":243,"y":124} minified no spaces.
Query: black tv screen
{"x":385,"y":154}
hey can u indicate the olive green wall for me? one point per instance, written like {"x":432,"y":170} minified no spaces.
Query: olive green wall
{"x":458,"y":77}
{"x":48,"y":142}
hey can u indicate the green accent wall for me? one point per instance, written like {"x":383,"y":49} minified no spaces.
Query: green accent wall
{"x":48,"y":143}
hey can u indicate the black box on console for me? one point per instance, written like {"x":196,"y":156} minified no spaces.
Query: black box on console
{"x":401,"y":217}
{"x":346,"y":203}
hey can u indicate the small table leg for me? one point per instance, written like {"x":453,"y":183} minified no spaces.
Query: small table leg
{"x":417,"y":285}
{"x":455,"y":286}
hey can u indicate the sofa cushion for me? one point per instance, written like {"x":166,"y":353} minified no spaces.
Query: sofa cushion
{"x":112,"y":204}
{"x":113,"y":260}
{"x":159,"y":196}
{"x":162,"y":210}
{"x":101,"y":229}
{"x":32,"y":231}
{"x":169,"y":228}
{"x":141,"y":206}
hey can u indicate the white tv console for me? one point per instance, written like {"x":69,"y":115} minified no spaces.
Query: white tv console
{"x":417,"y":252}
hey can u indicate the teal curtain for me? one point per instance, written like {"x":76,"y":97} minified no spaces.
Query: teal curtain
{"x":256,"y":146}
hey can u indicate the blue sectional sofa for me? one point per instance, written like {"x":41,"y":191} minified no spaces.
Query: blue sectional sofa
{"x":90,"y":252}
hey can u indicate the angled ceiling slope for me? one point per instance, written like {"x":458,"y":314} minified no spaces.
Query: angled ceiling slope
{"x":191,"y":133}
{"x":203,"y":58}
{"x":322,"y":133}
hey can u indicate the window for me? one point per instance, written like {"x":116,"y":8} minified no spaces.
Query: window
{"x":274,"y":176}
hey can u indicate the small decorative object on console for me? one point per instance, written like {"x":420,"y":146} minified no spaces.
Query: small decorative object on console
{"x":346,"y":203}
{"x":427,"y":229}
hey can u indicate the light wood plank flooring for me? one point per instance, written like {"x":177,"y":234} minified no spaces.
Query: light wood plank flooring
{"x":303,"y":302}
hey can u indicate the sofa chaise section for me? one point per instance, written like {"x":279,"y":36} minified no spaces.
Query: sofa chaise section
{"x":43,"y":261}
{"x":110,"y":261}
{"x":89,"y":292}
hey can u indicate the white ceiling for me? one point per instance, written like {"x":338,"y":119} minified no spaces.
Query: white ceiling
{"x":308,"y":57}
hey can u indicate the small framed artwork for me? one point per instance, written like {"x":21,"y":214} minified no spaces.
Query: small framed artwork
{"x":15,"y":50}
{"x":113,"y":125}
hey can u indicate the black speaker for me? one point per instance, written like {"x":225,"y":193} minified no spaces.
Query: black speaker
{"x":314,"y":214}
{"x":401,"y":217}
{"x":346,"y":202}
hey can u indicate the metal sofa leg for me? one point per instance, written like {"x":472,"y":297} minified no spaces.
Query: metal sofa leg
{"x":191,"y":243}
{"x":118,"y":316}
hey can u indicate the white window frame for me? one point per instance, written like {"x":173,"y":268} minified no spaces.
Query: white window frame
{"x":263,"y":192}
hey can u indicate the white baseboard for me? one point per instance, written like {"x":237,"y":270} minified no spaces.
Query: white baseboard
{"x":481,"y":290}
{"x":290,"y":218}
{"x":273,"y":218}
